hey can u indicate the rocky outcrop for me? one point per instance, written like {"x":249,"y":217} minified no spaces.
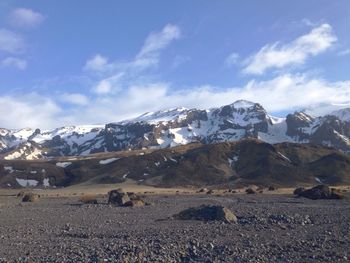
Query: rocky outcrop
{"x":119,"y":198}
{"x":321,"y":192}
{"x":207,"y":213}
{"x":30,"y":197}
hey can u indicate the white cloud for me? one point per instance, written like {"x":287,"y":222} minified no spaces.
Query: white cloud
{"x":20,"y":64}
{"x":10,"y":42}
{"x":159,"y":40}
{"x":108,"y":85}
{"x":103,"y":87}
{"x":155,"y":42}
{"x":96,"y":63}
{"x":113,"y":75}
{"x":75,"y":98}
{"x":232,"y":59}
{"x":283,"y":93}
{"x":180,"y":60}
{"x":148,"y":56}
{"x":344,"y":52}
{"x":277,"y":56}
{"x":25,"y":18}
{"x":30,"y":110}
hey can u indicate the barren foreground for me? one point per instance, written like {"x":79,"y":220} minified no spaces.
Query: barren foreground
{"x":270,"y":228}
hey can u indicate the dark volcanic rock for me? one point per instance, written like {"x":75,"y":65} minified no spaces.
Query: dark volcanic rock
{"x":207,"y":213}
{"x":203,"y":190}
{"x":118,"y":197}
{"x":250,"y":191}
{"x":299,"y":190}
{"x":135,"y":203}
{"x":30,"y":197}
{"x":321,"y":192}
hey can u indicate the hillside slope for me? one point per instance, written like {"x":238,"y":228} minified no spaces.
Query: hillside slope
{"x":231,"y":163}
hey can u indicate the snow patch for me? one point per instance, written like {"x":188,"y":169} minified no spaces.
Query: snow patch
{"x":46,"y":182}
{"x":63,"y":164}
{"x":284,"y":157}
{"x":318,"y":180}
{"x":25,"y":182}
{"x":9,"y":169}
{"x":233,"y":160}
{"x":173,"y":160}
{"x":243,"y":104}
{"x":107,"y":161}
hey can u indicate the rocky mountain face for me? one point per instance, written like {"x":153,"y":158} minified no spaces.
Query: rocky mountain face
{"x":180,"y":126}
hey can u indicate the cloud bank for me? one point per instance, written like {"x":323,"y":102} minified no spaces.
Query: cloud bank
{"x":281,"y":93}
{"x":277,"y":56}
{"x":25,"y":18}
{"x":123,"y":90}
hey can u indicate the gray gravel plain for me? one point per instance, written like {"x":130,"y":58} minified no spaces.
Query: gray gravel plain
{"x":270,"y":228}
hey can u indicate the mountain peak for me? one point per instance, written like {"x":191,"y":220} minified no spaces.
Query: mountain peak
{"x":342,"y":114}
{"x":162,"y":115}
{"x":243,"y":104}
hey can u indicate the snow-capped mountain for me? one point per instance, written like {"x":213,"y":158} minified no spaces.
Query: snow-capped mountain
{"x":342,"y":114}
{"x":179,"y":126}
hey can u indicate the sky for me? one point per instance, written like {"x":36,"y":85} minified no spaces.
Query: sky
{"x":95,"y":62}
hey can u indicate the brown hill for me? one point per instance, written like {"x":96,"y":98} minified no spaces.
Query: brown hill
{"x":231,"y":163}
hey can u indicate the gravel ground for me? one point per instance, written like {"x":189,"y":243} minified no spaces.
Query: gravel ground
{"x":270,"y":228}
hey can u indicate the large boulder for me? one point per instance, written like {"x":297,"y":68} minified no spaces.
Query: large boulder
{"x":250,"y":191}
{"x":30,"y":197}
{"x":207,"y":213}
{"x":321,"y":192}
{"x":118,"y":197}
{"x":299,"y":190}
{"x":135,"y":203}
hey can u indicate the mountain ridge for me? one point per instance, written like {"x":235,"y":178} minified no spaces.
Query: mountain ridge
{"x":223,"y":164}
{"x":179,"y":126}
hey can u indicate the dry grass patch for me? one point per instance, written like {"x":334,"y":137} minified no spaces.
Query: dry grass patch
{"x":88,"y":199}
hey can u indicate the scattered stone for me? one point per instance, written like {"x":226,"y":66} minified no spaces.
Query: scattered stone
{"x":271,"y":188}
{"x":250,"y":191}
{"x":210,"y":192}
{"x":207,"y":213}
{"x":203,"y":190}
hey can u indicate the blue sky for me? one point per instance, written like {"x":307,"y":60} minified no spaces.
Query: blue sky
{"x":104,"y":61}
